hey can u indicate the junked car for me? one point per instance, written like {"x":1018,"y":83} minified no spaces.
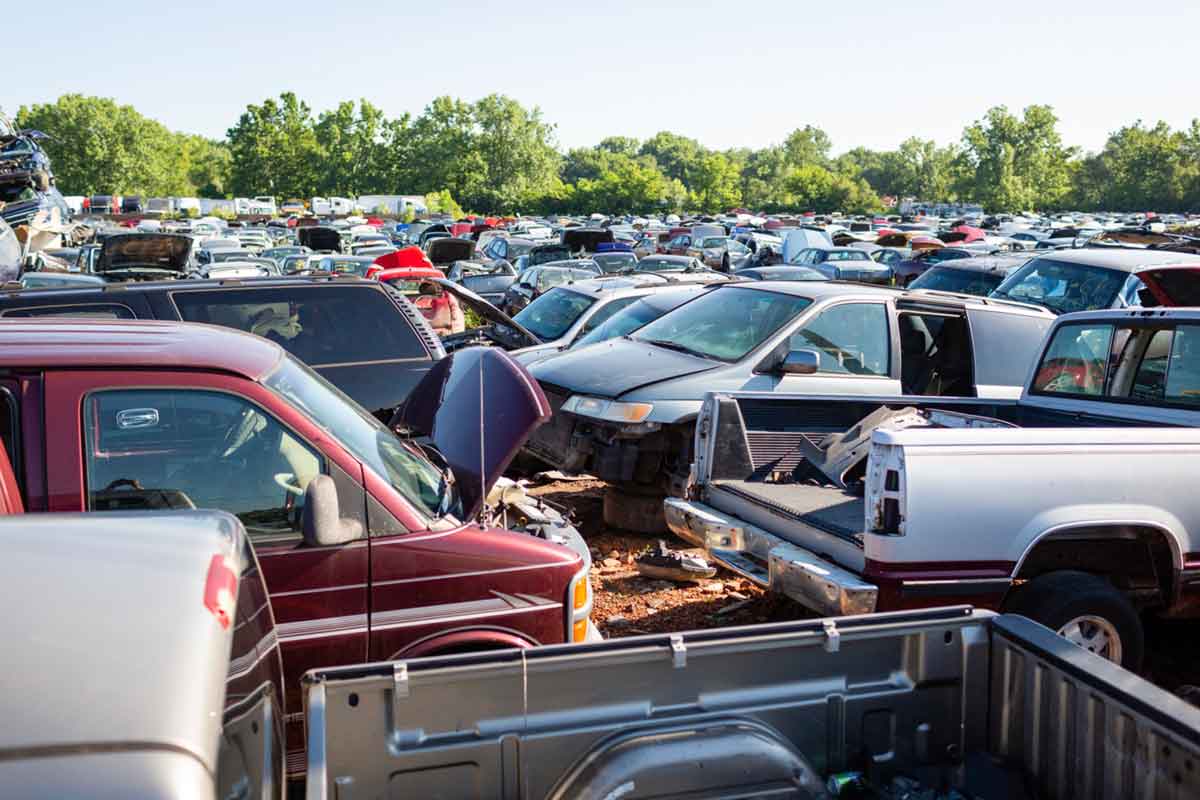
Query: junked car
{"x":979,"y":275}
{"x":720,"y":252}
{"x":488,"y":280}
{"x":373,"y":546}
{"x":625,"y":409}
{"x":1086,"y":278}
{"x":536,"y":281}
{"x":144,"y":256}
{"x":844,"y":264}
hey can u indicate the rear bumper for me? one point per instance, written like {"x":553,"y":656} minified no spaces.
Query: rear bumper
{"x":770,"y":562}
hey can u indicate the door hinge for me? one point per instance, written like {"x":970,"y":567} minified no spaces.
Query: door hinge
{"x":833,"y":638}
{"x":678,"y":651}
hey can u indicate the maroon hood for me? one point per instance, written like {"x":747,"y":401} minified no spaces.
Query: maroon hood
{"x":478,"y":432}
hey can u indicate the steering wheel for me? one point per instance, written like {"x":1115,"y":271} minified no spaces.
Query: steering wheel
{"x":287,"y":481}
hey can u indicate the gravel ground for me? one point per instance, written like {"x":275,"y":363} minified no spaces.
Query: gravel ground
{"x":627,"y":604}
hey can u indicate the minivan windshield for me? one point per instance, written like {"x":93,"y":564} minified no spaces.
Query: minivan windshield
{"x":409,"y":473}
{"x":1063,"y":287}
{"x":724,"y":324}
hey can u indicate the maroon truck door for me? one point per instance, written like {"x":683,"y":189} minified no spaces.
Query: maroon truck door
{"x":138,"y":441}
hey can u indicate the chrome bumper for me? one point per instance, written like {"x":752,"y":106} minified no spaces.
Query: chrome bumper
{"x":800,"y":574}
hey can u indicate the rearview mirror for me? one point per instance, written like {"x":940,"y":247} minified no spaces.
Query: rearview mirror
{"x":800,"y":362}
{"x":321,"y":520}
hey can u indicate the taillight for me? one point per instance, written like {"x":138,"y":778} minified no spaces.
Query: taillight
{"x":220,"y":590}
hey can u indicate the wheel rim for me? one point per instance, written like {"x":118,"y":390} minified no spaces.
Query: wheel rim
{"x":1094,"y":634}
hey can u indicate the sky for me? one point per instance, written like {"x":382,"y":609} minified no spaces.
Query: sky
{"x":869,"y":73}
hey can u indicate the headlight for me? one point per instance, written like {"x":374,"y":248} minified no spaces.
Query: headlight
{"x":610,"y":410}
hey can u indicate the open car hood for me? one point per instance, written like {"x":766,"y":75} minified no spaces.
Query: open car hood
{"x":486,"y":310}
{"x":318,"y":238}
{"x":477,"y":431}
{"x":159,"y":251}
{"x":1176,"y":285}
{"x":447,"y":251}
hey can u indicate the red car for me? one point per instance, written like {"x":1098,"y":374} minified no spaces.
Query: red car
{"x":441,"y":309}
{"x":366,"y":543}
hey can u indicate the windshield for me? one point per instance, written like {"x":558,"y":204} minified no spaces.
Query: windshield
{"x":552,"y":314}
{"x":662,"y":265}
{"x":407,"y":471}
{"x":626,"y":321}
{"x":725,"y":324}
{"x":348,"y":266}
{"x":518,"y":249}
{"x":847,"y":255}
{"x":712,"y":242}
{"x":960,"y":281}
{"x":940,"y":255}
{"x":1063,"y":287}
{"x":548,"y":254}
{"x":615,"y":262}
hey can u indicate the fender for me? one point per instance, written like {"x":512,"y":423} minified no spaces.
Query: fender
{"x":464,"y":639}
{"x":1100,"y":517}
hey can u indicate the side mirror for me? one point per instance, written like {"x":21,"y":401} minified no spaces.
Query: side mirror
{"x":800,"y":362}
{"x":321,"y":520}
{"x":526,"y":285}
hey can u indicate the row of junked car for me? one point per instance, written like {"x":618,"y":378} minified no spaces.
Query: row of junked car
{"x":350,"y":542}
{"x":381,"y":533}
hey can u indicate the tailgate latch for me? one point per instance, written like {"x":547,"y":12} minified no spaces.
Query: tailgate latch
{"x":678,"y":651}
{"x":833,"y":638}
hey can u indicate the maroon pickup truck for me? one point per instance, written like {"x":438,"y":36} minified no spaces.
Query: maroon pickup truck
{"x":364,"y":537}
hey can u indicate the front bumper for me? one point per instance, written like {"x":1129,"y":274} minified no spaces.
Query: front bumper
{"x":770,"y":562}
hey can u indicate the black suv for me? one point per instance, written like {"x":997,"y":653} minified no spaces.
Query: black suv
{"x":363,"y":336}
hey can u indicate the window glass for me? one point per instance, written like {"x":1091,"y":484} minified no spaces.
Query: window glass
{"x":604,"y":313}
{"x":1063,"y":287}
{"x":1076,"y":362}
{"x":551,"y":315}
{"x":320,"y":325}
{"x":848,"y":255}
{"x":178,"y":448}
{"x":726,"y":324}
{"x":1150,"y":380}
{"x":850,"y":339}
{"x":93,"y":310}
{"x":1183,"y":375}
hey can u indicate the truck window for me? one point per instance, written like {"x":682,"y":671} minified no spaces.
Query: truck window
{"x":1183,"y":373}
{"x":851,"y":339}
{"x":94,"y":310}
{"x":1076,"y":362}
{"x":321,"y":325}
{"x":179,"y":448}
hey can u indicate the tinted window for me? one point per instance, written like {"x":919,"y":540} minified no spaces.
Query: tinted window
{"x":851,"y":339}
{"x":177,"y":448}
{"x":725,"y":324}
{"x":962,"y":281}
{"x":1183,"y":373}
{"x":95,"y":310}
{"x":320,"y":325}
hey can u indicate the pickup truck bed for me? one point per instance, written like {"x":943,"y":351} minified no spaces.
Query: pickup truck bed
{"x":997,"y":707}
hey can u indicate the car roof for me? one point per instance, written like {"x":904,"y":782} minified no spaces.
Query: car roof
{"x":1120,"y":258}
{"x":990,"y":263}
{"x":147,"y":344}
{"x":671,"y":258}
{"x":819,"y":290}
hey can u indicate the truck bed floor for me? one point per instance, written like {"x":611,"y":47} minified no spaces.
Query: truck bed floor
{"x":823,"y":507}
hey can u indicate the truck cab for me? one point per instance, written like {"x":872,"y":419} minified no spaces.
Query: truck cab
{"x":367,"y":540}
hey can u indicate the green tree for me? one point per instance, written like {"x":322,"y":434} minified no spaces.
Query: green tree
{"x":99,"y":146}
{"x":1011,"y":163}
{"x":274,"y":149}
{"x":677,"y":156}
{"x":714,"y":185}
{"x":350,"y":140}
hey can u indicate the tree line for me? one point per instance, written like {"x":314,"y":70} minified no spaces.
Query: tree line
{"x":495,"y":155}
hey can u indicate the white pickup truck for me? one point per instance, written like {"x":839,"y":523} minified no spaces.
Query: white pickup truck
{"x":1072,"y":505}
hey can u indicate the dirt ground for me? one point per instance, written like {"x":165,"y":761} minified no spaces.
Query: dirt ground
{"x":627,"y":604}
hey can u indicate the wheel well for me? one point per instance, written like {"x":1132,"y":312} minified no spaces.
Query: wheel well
{"x":466,"y":641}
{"x":1138,"y":559}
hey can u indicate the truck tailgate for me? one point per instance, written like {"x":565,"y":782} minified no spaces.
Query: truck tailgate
{"x":553,"y":722}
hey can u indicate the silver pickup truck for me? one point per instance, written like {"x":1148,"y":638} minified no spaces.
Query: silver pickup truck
{"x":140,"y":659}
{"x":937,"y":701}
{"x":1068,"y":505}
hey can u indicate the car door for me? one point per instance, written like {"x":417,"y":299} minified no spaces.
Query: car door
{"x":853,"y":344}
{"x":132,"y":442}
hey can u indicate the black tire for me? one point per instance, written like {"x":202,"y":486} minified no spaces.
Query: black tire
{"x":725,"y":264}
{"x":635,"y":510}
{"x":1056,"y":598}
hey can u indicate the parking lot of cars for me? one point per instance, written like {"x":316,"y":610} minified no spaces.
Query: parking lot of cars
{"x":448,"y":436}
